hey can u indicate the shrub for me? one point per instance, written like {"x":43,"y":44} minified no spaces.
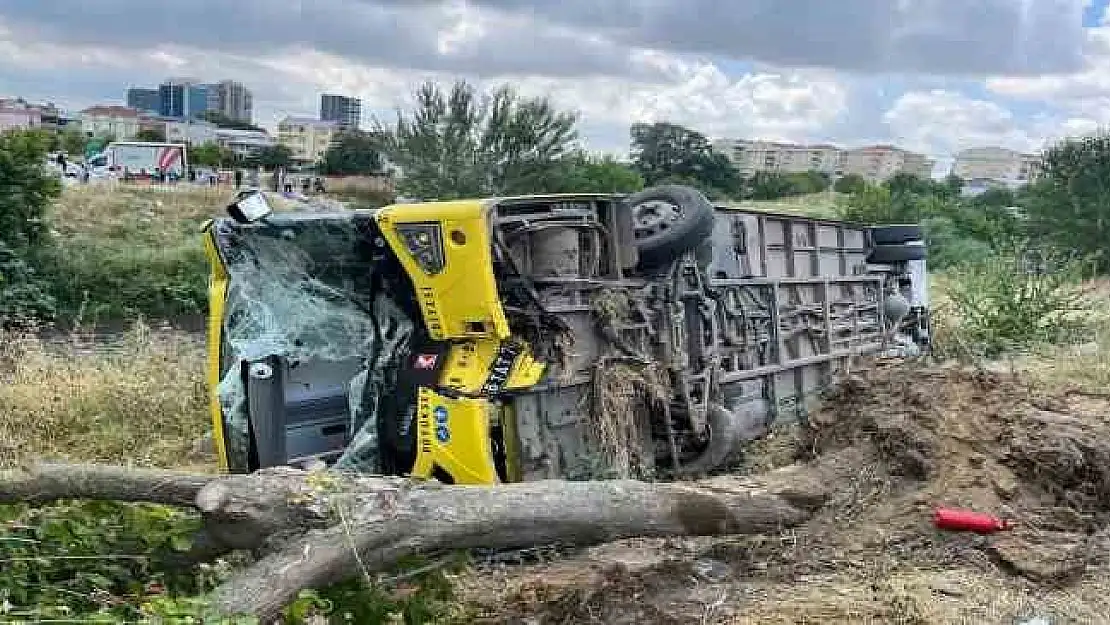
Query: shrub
{"x":24,"y":297}
{"x":1013,"y":301}
{"x":26,"y":188}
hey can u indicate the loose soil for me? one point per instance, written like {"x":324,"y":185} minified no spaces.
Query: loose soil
{"x":917,"y":437}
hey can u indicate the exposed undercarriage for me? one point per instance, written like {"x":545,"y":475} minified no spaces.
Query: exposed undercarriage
{"x":672,"y":331}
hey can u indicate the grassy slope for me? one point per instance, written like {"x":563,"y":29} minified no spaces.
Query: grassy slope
{"x":818,"y":205}
{"x":125,"y":253}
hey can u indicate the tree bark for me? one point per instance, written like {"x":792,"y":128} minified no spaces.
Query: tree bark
{"x":314,"y":529}
{"x":45,"y":483}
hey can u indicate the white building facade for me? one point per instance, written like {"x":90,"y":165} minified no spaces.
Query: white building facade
{"x":874,"y":163}
{"x":995,"y":163}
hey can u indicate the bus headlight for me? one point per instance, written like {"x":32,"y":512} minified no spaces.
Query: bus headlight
{"x":424,"y":241}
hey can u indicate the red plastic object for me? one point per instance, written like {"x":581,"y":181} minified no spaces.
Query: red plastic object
{"x":967,"y":521}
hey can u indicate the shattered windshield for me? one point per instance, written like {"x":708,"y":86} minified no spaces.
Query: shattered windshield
{"x":305,"y":288}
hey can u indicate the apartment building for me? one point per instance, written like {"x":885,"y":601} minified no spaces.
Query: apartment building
{"x":877,"y":162}
{"x":232,"y":99}
{"x":753,"y":156}
{"x":120,"y":122}
{"x":995,"y":163}
{"x":345,"y":111}
{"x":880,"y":162}
{"x":17,"y":114}
{"x":308,"y":139}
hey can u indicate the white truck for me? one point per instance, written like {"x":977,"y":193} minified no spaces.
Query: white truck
{"x":139,"y":160}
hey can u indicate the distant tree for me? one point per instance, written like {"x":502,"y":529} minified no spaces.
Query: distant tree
{"x":273,"y":156}
{"x":808,"y":182}
{"x":664,"y":150}
{"x":73,"y":141}
{"x":954,"y":184}
{"x":351,"y":153}
{"x":223,"y":121}
{"x":210,"y":154}
{"x":850,"y":183}
{"x":457,"y":142}
{"x":582,"y":173}
{"x":151,"y":134}
{"x":769,"y":185}
{"x":903,"y":182}
{"x":1069,"y":205}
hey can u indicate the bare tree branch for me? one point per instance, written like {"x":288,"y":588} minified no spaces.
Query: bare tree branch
{"x":45,"y":483}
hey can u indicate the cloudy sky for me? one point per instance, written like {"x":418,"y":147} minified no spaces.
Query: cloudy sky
{"x":930,"y":75}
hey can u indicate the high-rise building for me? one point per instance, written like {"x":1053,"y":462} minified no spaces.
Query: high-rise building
{"x":144,"y":99}
{"x":232,"y":99}
{"x":182,"y":98}
{"x":345,"y":111}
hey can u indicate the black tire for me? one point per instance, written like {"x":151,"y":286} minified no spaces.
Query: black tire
{"x":901,"y":253}
{"x":683,"y":219}
{"x":894,"y":235}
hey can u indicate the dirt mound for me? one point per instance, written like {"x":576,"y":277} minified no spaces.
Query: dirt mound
{"x":919,"y":437}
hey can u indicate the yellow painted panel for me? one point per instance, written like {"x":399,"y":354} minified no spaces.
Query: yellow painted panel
{"x":217,"y":299}
{"x":469,"y":363}
{"x":454,"y":435}
{"x":461,"y":301}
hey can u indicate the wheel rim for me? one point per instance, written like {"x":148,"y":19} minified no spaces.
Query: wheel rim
{"x":653,"y":217}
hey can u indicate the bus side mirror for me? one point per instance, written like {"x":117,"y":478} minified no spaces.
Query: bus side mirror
{"x":249,"y":206}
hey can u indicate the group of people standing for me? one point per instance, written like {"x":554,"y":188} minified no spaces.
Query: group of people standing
{"x":280,"y":181}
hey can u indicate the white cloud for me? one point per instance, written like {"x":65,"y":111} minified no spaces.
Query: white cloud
{"x":942,"y":123}
{"x":1084,"y":94}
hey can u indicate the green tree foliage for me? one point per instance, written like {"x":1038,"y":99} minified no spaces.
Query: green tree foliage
{"x":24,"y":296}
{"x":665,"y":151}
{"x":459,"y":143}
{"x":151,"y":134}
{"x":73,"y":142}
{"x":764,"y":185}
{"x":851,"y":183}
{"x":26,"y":191}
{"x":210,"y":154}
{"x":273,"y":156}
{"x":599,"y":174}
{"x":958,"y":230}
{"x":352,"y":153}
{"x":1069,"y":205}
{"x":26,"y":188}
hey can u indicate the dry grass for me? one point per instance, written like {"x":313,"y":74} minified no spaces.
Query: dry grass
{"x":920,"y":597}
{"x":142,"y":402}
{"x":114,"y":211}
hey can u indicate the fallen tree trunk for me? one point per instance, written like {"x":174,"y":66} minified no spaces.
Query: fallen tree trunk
{"x":313,"y":529}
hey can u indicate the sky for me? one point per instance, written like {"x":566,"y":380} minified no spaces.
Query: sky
{"x":934,"y":76}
